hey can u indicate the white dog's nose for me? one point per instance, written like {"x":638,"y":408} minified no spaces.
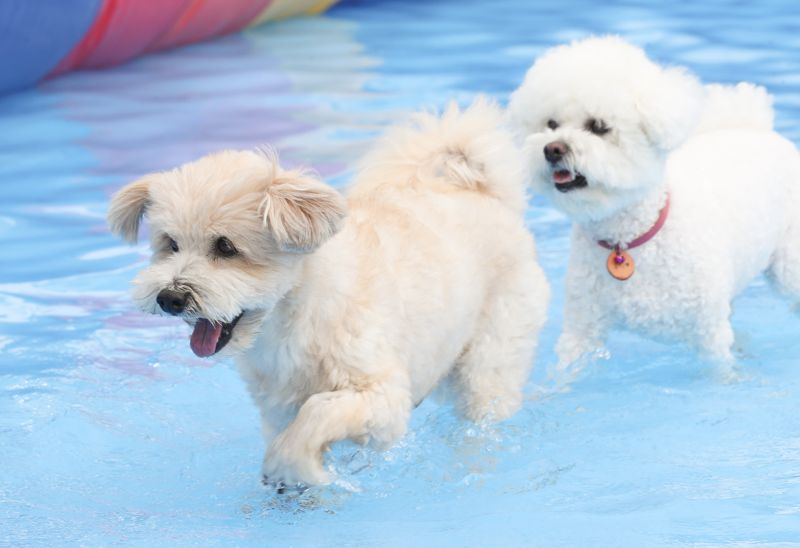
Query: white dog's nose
{"x":555,"y":151}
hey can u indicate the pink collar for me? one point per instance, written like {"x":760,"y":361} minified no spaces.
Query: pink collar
{"x":644,"y":238}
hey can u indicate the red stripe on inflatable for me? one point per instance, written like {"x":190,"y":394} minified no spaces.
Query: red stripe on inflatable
{"x":124,"y":29}
{"x":135,"y":26}
{"x":207,"y":18}
{"x":171,"y":37}
{"x":89,"y":41}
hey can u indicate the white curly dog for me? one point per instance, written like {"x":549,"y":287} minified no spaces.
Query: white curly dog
{"x":344,"y":315}
{"x":680,"y":194}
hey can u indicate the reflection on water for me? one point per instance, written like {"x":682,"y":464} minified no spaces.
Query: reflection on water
{"x":113,"y":432}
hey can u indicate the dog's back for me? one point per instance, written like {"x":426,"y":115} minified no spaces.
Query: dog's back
{"x":743,"y":106}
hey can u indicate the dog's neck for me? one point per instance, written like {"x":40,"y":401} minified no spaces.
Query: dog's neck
{"x":298,"y":330}
{"x":325,"y":280}
{"x":629,"y":223}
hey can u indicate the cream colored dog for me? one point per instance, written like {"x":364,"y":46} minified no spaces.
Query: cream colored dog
{"x":344,"y":315}
{"x":689,"y":182}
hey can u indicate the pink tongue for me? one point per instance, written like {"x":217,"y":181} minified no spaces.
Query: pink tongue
{"x":205,"y":337}
{"x":562,"y":176}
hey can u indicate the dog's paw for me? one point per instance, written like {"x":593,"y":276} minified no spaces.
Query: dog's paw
{"x":283,"y":488}
{"x":286,"y":466}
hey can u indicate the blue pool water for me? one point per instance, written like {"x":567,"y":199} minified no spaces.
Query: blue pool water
{"x":112,"y":432}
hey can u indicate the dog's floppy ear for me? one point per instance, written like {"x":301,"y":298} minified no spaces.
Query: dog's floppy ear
{"x":670,"y":105}
{"x":127,"y":208}
{"x":301,"y":212}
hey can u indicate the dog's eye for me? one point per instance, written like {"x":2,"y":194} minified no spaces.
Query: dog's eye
{"x":598,"y":127}
{"x":173,"y":245}
{"x":552,"y":124}
{"x":224,"y":247}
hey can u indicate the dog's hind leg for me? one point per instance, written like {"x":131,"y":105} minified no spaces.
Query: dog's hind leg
{"x":784,"y":270}
{"x":490,"y":373}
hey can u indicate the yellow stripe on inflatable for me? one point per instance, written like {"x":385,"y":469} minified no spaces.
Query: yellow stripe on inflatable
{"x":321,"y":6}
{"x":280,"y":9}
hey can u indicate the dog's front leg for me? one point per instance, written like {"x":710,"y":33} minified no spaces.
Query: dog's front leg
{"x":296,"y":454}
{"x":586,"y":321}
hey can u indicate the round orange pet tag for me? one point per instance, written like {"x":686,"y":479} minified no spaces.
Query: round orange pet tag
{"x":620,"y":264}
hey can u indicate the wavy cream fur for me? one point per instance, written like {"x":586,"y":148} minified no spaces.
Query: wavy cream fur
{"x":431,"y":277}
{"x":734,"y":185}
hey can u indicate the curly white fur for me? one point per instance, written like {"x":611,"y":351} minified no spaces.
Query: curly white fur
{"x":734,"y":185}
{"x":432,"y":275}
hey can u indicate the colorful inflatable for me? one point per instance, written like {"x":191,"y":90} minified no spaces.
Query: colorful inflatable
{"x":44,"y":38}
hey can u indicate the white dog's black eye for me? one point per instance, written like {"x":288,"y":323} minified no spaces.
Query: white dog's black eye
{"x":552,"y":124}
{"x":173,"y":245}
{"x":598,"y":127}
{"x":224,"y":247}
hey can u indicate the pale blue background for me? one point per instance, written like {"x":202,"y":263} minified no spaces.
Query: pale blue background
{"x":112,"y":432}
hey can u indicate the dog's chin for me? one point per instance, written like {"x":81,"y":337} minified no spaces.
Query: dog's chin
{"x":565,"y":180}
{"x":210,"y":338}
{"x":577,"y":195}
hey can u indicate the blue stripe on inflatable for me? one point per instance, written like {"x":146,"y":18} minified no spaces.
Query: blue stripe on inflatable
{"x":36,"y":34}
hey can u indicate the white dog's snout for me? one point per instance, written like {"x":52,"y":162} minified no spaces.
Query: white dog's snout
{"x":555,"y":151}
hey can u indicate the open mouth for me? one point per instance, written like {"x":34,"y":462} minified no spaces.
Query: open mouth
{"x":565,"y":180}
{"x":208,"y":337}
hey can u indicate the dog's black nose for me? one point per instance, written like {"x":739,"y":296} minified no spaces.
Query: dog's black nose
{"x":172,"y":302}
{"x":555,"y":151}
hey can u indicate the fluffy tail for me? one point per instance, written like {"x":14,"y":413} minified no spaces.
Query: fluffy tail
{"x":743,"y":106}
{"x":467,"y":148}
